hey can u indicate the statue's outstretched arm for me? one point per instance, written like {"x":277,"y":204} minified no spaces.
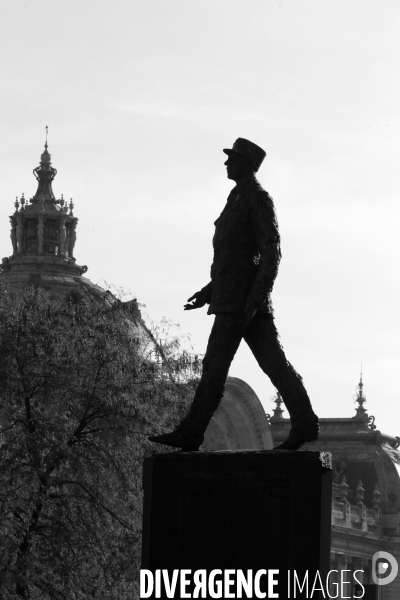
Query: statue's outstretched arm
{"x":200,"y":298}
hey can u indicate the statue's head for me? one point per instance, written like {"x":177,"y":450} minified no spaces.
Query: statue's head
{"x":244,"y":158}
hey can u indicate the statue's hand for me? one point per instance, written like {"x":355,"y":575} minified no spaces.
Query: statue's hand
{"x":249,"y":311}
{"x":200,"y":299}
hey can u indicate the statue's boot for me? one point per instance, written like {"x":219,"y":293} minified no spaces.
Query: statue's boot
{"x":300,"y":434}
{"x":177,"y":439}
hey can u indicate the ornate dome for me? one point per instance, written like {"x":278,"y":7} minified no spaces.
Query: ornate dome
{"x":43,"y":238}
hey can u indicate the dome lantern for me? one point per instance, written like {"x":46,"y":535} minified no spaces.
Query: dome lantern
{"x":43,"y":231}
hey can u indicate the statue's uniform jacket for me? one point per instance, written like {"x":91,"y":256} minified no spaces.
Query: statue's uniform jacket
{"x":246,"y":251}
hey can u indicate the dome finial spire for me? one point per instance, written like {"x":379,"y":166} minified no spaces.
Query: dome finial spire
{"x":45,"y":174}
{"x":360,"y":398}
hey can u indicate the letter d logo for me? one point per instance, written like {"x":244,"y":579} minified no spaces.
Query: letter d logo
{"x":384,"y":568}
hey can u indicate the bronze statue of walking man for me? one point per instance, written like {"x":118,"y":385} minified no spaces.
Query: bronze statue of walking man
{"x":246,"y":259}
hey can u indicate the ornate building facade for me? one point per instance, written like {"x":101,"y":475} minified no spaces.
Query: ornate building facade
{"x":365,"y":496}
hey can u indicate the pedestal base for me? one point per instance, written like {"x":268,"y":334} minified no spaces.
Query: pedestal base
{"x":239,"y":510}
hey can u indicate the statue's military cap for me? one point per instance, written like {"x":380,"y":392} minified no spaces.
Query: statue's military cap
{"x":249,"y":150}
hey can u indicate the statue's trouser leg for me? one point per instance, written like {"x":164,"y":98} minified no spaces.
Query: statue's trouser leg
{"x":223,"y":343}
{"x":262,"y":338}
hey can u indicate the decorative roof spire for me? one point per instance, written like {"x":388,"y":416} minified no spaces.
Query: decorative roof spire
{"x":360,"y":398}
{"x":361,"y":413}
{"x":344,"y":489}
{"x":376,"y":497}
{"x":360,"y":491}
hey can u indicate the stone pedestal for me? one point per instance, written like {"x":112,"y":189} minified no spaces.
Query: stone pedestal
{"x":239,"y":510}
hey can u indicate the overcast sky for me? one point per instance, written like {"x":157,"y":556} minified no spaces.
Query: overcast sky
{"x":140,"y":97}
